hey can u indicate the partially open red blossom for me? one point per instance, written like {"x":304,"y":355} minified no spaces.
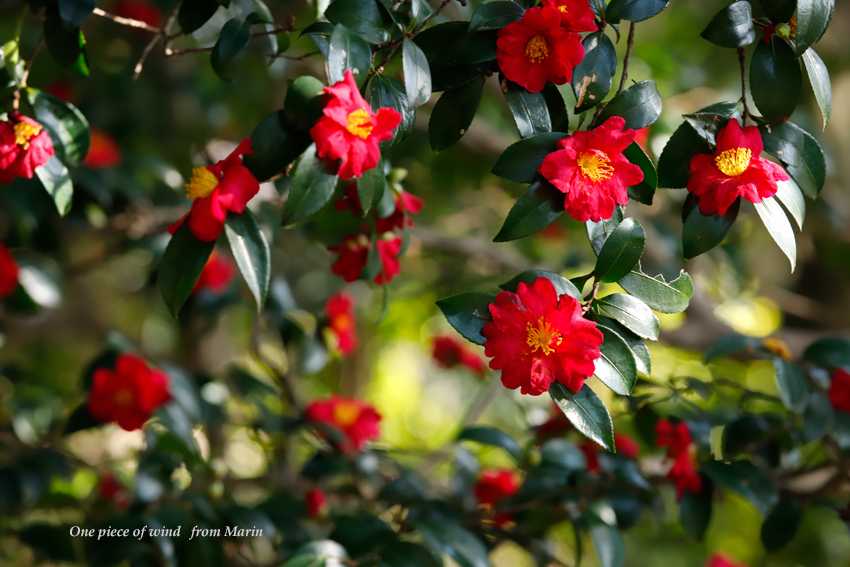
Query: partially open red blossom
{"x":217,"y":190}
{"x":129,"y":393}
{"x":590,"y":450}
{"x":576,"y":15}
{"x":349,"y":133}
{"x":675,"y":436}
{"x":406,"y":205}
{"x":316,"y":502}
{"x":353,"y":253}
{"x":590,"y":169}
{"x":839,"y":390}
{"x":536,"y":338}
{"x":340,"y":313}
{"x":217,"y":274}
{"x":720,"y":560}
{"x":735,"y":169}
{"x":684,"y":473}
{"x":8,"y":272}
{"x":536,"y":50}
{"x":494,"y":486}
{"x":111,"y":490}
{"x":449,"y":352}
{"x":358,"y":421}
{"x":141,"y":10}
{"x":61,"y":89}
{"x":626,"y":446}
{"x":103,"y":150}
{"x":24,"y":146}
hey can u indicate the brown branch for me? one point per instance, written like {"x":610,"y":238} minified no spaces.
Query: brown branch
{"x":175,"y":52}
{"x":630,"y":42}
{"x":161,"y":36}
{"x":128,"y":22}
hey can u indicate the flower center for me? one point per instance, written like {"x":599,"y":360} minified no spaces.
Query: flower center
{"x":562,"y":8}
{"x":123,"y":397}
{"x":536,"y":50}
{"x":346,"y":413}
{"x":24,"y":132}
{"x":733,"y":162}
{"x":541,"y":336}
{"x":342,"y":322}
{"x":202,"y":183}
{"x":359,"y":124}
{"x":595,"y":165}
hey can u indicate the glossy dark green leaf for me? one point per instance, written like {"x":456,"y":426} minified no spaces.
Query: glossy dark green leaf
{"x":536,"y":209}
{"x":494,"y":15}
{"x":616,"y":367}
{"x":661,"y":295}
{"x":621,"y":252}
{"x":695,"y":512}
{"x":251,"y":251}
{"x":791,"y":197}
{"x":561,"y":284}
{"x":675,"y":159}
{"x":701,"y":233}
{"x":520,"y":161}
{"x":347,"y":51}
{"x":598,"y":232}
{"x":68,"y":128}
{"x":779,"y":227}
{"x":813,"y":17}
{"x":586,"y":412}
{"x":829,"y":353}
{"x":746,"y":479}
{"x":558,"y":115}
{"x":801,"y":154}
{"x":274,"y":147}
{"x":645,"y":190}
{"x":232,"y":41}
{"x":776,"y":81}
{"x":821,"y":84}
{"x":792,"y":385}
{"x":417,"y":74}
{"x":304,"y":103}
{"x":363,"y":17}
{"x":386,"y":91}
{"x":468,"y":313}
{"x":637,"y":346}
{"x":407,"y":554}
{"x":707,"y":121}
{"x":56,"y":181}
{"x":593,"y":76}
{"x":75,"y":12}
{"x":195,"y":13}
{"x":371,"y":187}
{"x":639,"y":105}
{"x":779,"y":10}
{"x":530,"y":112}
{"x":732,"y":26}
{"x":781,"y":524}
{"x":608,"y":543}
{"x":447,"y":537}
{"x":631,"y":312}
{"x":562,"y":454}
{"x":311,"y":188}
{"x":66,"y":43}
{"x":453,"y":114}
{"x":491,"y":436}
{"x":181,"y":265}
{"x":633,"y":10}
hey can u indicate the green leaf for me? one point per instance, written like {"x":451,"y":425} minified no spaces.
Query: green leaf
{"x":645,"y":191}
{"x":558,"y":115}
{"x":813,"y":18}
{"x":417,"y":74}
{"x":491,"y":436}
{"x":781,"y":524}
{"x":608,"y":542}
{"x":233,"y":39}
{"x":776,"y":81}
{"x":792,"y":385}
{"x":561,"y":284}
{"x":829,"y":353}
{"x":453,"y":114}
{"x":304,"y":103}
{"x":631,"y":312}
{"x":363,"y":17}
{"x":75,"y":12}
{"x":536,"y":209}
{"x":637,"y":346}
{"x":695,"y":512}
{"x":310,"y":190}
{"x":821,"y":85}
{"x":562,"y":454}
{"x":639,"y":105}
{"x":275,"y":147}
{"x":701,"y":233}
{"x":616,"y":367}
{"x":661,"y":295}
{"x":371,"y":187}
{"x":195,"y":13}
{"x":707,"y":121}
{"x":407,"y":554}
{"x":68,"y":128}
{"x":530,"y":112}
{"x":801,"y":154}
{"x":791,"y":197}
{"x":494,"y":15}
{"x":779,"y":227}
{"x":386,"y":91}
{"x":447,"y":537}
{"x":468,"y":313}
{"x":347,"y":51}
{"x":181,"y":265}
{"x":674,"y":163}
{"x":633,"y":10}
{"x":519,"y":162}
{"x":586,"y":412}
{"x":251,"y":251}
{"x":746,"y":479}
{"x":598,"y":232}
{"x":56,"y":181}
{"x":621,"y":252}
{"x":732,"y":26}
{"x":779,"y":11}
{"x":66,"y":43}
{"x":593,"y":76}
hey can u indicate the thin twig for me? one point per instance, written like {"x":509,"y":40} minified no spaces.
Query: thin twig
{"x":128,"y":22}
{"x":174,"y":52}
{"x":22,"y":84}
{"x":162,"y":36}
{"x":630,"y":41}
{"x":742,"y":63}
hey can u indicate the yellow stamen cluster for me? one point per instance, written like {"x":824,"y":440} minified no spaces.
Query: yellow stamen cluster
{"x":562,"y":9}
{"x":541,"y":336}
{"x":24,"y":132}
{"x":595,"y":165}
{"x":359,"y":124}
{"x":201,"y":184}
{"x":346,"y":413}
{"x":777,"y":347}
{"x":733,"y":162}
{"x":536,"y":50}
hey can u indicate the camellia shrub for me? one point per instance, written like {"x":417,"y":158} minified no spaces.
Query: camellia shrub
{"x":220,"y":218}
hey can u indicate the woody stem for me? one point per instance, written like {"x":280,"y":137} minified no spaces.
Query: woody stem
{"x":742,"y":64}
{"x":128,"y":22}
{"x":630,"y":42}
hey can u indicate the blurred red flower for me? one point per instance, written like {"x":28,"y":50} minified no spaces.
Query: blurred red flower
{"x":110,"y":490}
{"x":358,"y":421}
{"x":720,"y":560}
{"x":680,"y":448}
{"x":24,"y":146}
{"x":353,"y":253}
{"x":340,"y":313}
{"x":576,"y":15}
{"x":839,"y":390}
{"x":316,"y":502}
{"x":103,"y":150}
{"x":217,"y":274}
{"x":139,"y":10}
{"x":128,"y":394}
{"x":8,"y":272}
{"x":492,"y":487}
{"x":449,"y":352}
{"x":676,"y":437}
{"x":626,"y":446}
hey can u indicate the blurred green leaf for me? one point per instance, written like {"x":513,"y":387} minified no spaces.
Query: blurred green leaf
{"x":56,"y":181}
{"x":232,"y":41}
{"x":491,"y":436}
{"x":608,"y":542}
{"x":251,"y":251}
{"x":195,"y":13}
{"x":781,"y":524}
{"x":453,"y":114}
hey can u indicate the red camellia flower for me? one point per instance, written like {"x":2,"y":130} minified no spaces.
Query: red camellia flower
{"x":110,"y":490}
{"x":839,"y":390}
{"x":8,"y":273}
{"x":316,"y":502}
{"x":492,"y":487}
{"x":357,"y":421}
{"x":626,"y":446}
{"x":450,"y":352}
{"x":354,"y":253}
{"x":24,"y":146}
{"x":591,"y":455}
{"x":406,"y":205}
{"x":591,"y":170}
{"x":217,"y":190}
{"x":217,"y":274}
{"x":340,"y":313}
{"x":349,"y":133}
{"x":103,"y":151}
{"x":129,"y":393}
{"x":139,"y":10}
{"x":675,"y":436}
{"x":735,"y":169}
{"x":536,"y":338}
{"x":720,"y":560}
{"x":576,"y":15}
{"x":536,"y":50}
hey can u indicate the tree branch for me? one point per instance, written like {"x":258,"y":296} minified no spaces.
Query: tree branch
{"x":128,"y":22}
{"x":630,"y":42}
